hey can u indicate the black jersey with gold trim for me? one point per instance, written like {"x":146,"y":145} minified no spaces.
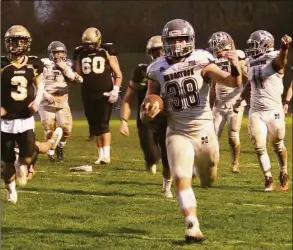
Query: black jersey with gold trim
{"x":17,"y":86}
{"x":96,"y":73}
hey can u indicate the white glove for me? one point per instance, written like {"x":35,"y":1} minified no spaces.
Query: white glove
{"x":124,"y":129}
{"x":113,"y":95}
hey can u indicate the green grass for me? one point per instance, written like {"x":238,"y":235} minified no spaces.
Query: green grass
{"x":119,"y":206}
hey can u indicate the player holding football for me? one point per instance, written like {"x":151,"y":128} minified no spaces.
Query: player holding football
{"x":95,"y":65}
{"x":266,"y":114}
{"x":182,"y":78}
{"x":54,"y":106}
{"x":152,"y":141}
{"x":224,"y":97}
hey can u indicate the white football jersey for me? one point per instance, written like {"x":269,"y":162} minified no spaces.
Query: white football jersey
{"x":184,"y":91}
{"x":266,"y":84}
{"x":54,"y":78}
{"x":225,"y":93}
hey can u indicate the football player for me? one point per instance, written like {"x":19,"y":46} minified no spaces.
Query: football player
{"x":20,"y":75}
{"x":152,"y":141}
{"x":54,"y":107}
{"x":182,"y":78}
{"x":99,"y":93}
{"x":112,"y":52}
{"x":266,"y":115}
{"x":225,"y":97}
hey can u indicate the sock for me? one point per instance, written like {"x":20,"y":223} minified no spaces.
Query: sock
{"x":167,"y":184}
{"x":11,"y":187}
{"x":191,"y":221}
{"x":100,"y":152}
{"x":51,"y":152}
{"x":282,"y":160}
{"x":106,"y":151}
{"x":264,"y":162}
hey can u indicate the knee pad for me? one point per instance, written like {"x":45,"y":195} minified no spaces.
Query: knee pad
{"x":25,"y":161}
{"x":186,"y":198}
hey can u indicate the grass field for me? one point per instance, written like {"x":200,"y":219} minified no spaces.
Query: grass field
{"x":119,"y":206}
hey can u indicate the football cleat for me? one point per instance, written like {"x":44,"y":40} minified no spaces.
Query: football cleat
{"x":51,"y":158}
{"x":284,"y":181}
{"x":105,"y":160}
{"x":235,"y":168}
{"x":98,"y":161}
{"x":85,"y":168}
{"x":193,"y":234}
{"x":269,"y":184}
{"x":167,"y":193}
{"x":21,"y":174}
{"x":12,"y":196}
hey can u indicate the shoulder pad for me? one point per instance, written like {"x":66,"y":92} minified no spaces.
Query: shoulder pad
{"x":240,"y":54}
{"x":203,"y":56}
{"x":155,"y":64}
{"x":272,"y":54}
{"x":77,"y":48}
{"x":142,"y":65}
{"x":46,"y":61}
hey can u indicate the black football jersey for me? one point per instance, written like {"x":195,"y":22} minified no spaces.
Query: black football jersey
{"x":140,"y":80}
{"x":17,"y":86}
{"x":96,"y":73}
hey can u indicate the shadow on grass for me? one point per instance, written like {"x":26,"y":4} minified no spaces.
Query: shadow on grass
{"x":80,"y":192}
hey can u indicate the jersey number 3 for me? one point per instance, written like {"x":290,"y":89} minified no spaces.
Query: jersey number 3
{"x":189,"y":96}
{"x":21,"y":88}
{"x":95,"y":64}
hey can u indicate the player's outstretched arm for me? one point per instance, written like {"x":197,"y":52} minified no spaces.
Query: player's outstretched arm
{"x":280,"y":61}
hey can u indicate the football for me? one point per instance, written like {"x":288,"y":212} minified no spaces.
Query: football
{"x":154,"y":98}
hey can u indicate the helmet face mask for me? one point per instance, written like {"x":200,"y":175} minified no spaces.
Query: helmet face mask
{"x":17,"y":40}
{"x":178,"y":38}
{"x":259,"y":43}
{"x":220,"y":41}
{"x":57,"y":51}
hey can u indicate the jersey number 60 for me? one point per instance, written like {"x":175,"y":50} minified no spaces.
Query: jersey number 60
{"x":95,"y":64}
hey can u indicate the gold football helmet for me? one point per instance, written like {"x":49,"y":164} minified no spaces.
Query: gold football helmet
{"x":154,"y":47}
{"x":17,"y":40}
{"x":91,"y":38}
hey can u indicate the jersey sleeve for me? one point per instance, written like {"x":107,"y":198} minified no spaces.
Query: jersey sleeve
{"x":139,"y":73}
{"x":76,"y":52}
{"x":151,"y":71}
{"x":37,"y":64}
{"x":110,"y":48}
